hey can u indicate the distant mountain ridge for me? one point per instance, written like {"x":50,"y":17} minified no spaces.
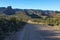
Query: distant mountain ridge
{"x":30,"y":12}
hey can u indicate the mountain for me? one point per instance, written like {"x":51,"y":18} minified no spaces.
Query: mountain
{"x":2,"y":9}
{"x":30,"y":12}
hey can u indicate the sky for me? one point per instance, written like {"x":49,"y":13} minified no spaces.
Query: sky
{"x":32,"y":4}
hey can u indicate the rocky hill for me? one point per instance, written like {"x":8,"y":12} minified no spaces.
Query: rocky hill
{"x":34,"y":13}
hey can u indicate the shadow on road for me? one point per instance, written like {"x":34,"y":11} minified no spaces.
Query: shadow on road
{"x":42,"y":34}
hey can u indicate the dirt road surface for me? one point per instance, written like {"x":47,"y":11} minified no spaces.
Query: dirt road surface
{"x":36,"y":32}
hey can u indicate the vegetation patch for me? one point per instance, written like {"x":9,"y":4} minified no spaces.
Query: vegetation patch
{"x":10,"y":24}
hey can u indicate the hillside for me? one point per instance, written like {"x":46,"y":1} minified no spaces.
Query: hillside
{"x":45,"y":16}
{"x":29,"y":12}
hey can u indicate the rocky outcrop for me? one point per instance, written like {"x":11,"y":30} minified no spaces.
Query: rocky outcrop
{"x":9,"y":11}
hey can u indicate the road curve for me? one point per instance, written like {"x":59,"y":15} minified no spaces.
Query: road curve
{"x":37,"y":32}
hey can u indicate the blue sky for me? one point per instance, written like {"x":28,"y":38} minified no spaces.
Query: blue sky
{"x":32,"y":4}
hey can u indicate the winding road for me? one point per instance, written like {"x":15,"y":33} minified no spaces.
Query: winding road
{"x":37,"y":32}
